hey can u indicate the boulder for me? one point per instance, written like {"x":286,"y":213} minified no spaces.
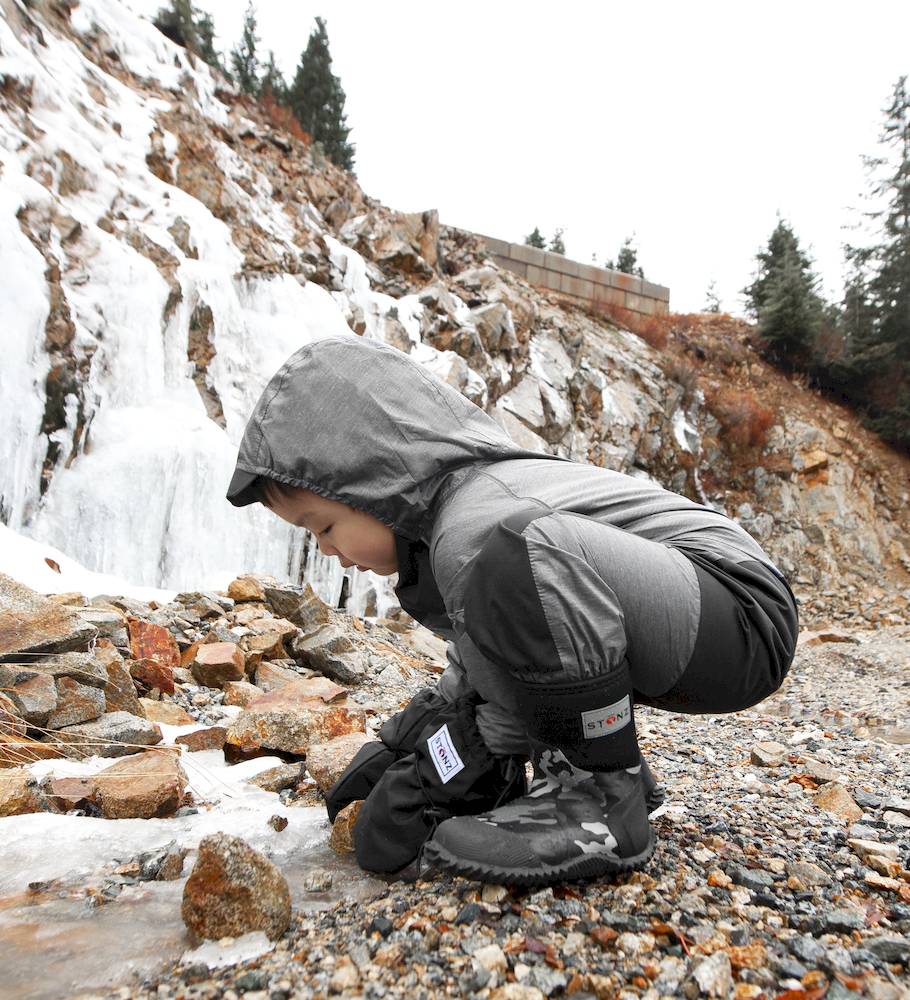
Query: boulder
{"x":19,"y":793}
{"x":110,"y":623}
{"x":234,"y":890}
{"x":147,"y":785}
{"x":82,"y":667}
{"x":151,"y":674}
{"x":203,"y":739}
{"x":216,"y":663}
{"x":119,"y":691}
{"x":75,"y":703}
{"x":304,"y":608}
{"x":293,"y":717}
{"x":30,"y":623}
{"x":11,"y":722}
{"x":332,"y":653}
{"x":327,"y":761}
{"x":240,"y":693}
{"x":34,"y":695}
{"x":276,"y":779}
{"x":114,"y":734}
{"x":167,"y":712}
{"x":78,"y":792}
{"x":149,"y":641}
{"x":342,"y":838}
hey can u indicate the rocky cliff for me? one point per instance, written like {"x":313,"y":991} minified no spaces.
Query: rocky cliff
{"x":167,"y":243}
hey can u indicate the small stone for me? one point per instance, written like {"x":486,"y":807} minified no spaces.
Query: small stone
{"x":865,"y":848}
{"x":216,"y":663}
{"x":234,"y":890}
{"x":866,"y":799}
{"x":492,"y":893}
{"x":808,"y":873}
{"x":752,"y":878}
{"x":716,"y":877}
{"x":714,"y":975}
{"x":276,"y":779}
{"x":491,"y":957}
{"x":889,"y":948}
{"x":246,"y":588}
{"x":203,"y":739}
{"x":820,"y":772}
{"x":149,"y":641}
{"x":345,"y":976}
{"x":278,"y":823}
{"x":342,"y":837}
{"x":381,"y":925}
{"x":518,"y":991}
{"x":748,"y":956}
{"x":468,"y":914}
{"x":843,"y":921}
{"x":835,"y":799}
{"x":151,"y":674}
{"x":240,"y":693}
{"x":167,"y":712}
{"x":806,"y":949}
{"x":896,"y":819}
{"x":768,"y":754}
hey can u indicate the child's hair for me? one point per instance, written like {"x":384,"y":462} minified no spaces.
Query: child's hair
{"x":271,"y":491}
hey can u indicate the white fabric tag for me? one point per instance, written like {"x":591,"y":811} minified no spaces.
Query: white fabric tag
{"x":444,"y":755}
{"x":606,"y":720}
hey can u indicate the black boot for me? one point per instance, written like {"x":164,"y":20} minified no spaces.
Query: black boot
{"x":572,"y":824}
{"x":654,"y":792}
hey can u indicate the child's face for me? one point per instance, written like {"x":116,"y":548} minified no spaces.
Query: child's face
{"x":357,"y":538}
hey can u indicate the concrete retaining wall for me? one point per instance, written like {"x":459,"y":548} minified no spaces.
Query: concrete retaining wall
{"x":580,"y":282}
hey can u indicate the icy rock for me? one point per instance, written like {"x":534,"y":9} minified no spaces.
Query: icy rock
{"x":30,"y":623}
{"x":75,"y":703}
{"x":149,"y":784}
{"x":342,"y":839}
{"x":203,"y":739}
{"x":119,"y":691}
{"x":332,"y":653}
{"x":240,"y":693}
{"x":149,"y":641}
{"x":217,"y":956}
{"x":768,"y":754}
{"x":167,"y":712}
{"x":835,"y":799}
{"x":327,"y":761}
{"x":114,"y":734}
{"x":295,"y":716}
{"x":216,"y":663}
{"x":19,"y":793}
{"x":11,"y":723}
{"x":271,"y":676}
{"x":234,"y":890}
{"x":152,"y":674}
{"x":276,"y":779}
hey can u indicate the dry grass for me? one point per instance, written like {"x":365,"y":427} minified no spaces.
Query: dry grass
{"x":283,"y":118}
{"x":744,"y":419}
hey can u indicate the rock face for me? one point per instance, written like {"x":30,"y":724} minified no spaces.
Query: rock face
{"x":234,"y":890}
{"x":294,"y":716}
{"x":142,"y":786}
{"x":30,"y":623}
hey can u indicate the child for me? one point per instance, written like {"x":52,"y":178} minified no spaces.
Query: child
{"x":568,"y":593}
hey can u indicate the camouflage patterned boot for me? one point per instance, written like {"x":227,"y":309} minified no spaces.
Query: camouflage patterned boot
{"x":572,"y":824}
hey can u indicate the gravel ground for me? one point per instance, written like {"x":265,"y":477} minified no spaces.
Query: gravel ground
{"x":754,"y":890}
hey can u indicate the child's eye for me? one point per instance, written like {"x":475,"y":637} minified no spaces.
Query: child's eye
{"x":325,"y":531}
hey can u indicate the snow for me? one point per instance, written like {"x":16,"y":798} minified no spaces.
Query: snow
{"x":241,"y":949}
{"x":684,"y":432}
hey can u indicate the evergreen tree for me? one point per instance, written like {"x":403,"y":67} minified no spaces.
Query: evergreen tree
{"x":536,"y":239}
{"x":556,"y":243}
{"x":205,"y":35}
{"x":317,"y":99}
{"x":627,"y":260}
{"x":244,"y":63}
{"x":189,"y":27}
{"x":272,"y":80}
{"x":782,"y":242}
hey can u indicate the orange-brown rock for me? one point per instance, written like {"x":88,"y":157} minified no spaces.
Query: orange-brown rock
{"x":203,"y":739}
{"x":11,"y":723}
{"x":271,"y":676}
{"x":71,"y":793}
{"x":119,"y":691}
{"x":75,"y":703}
{"x":142,"y":786}
{"x":247,"y":588}
{"x":216,"y":663}
{"x":19,"y":793}
{"x":35,"y":697}
{"x":153,"y":674}
{"x":234,"y":890}
{"x":269,"y":645}
{"x":342,"y":839}
{"x":30,"y":623}
{"x":18,"y":750}
{"x":241,"y":693}
{"x":153,"y":642}
{"x":296,"y":715}
{"x":327,"y":761}
{"x":165,"y":711}
{"x":834,"y":798}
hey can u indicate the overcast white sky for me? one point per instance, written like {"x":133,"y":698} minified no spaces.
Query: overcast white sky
{"x":690,"y":124}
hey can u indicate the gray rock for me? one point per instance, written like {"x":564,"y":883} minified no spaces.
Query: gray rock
{"x":889,"y":948}
{"x":752,"y":878}
{"x":30,"y":623}
{"x":332,"y":653}
{"x":807,"y":950}
{"x":82,"y":667}
{"x":114,"y":734}
{"x":843,"y":921}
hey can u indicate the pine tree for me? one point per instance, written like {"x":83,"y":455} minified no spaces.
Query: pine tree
{"x":189,"y":27}
{"x":712,"y":299}
{"x":781,"y":242}
{"x":244,"y":64}
{"x":272,"y":80}
{"x":317,"y":99}
{"x":626,"y":260}
{"x":205,"y":34}
{"x":556,"y":242}
{"x":536,"y":239}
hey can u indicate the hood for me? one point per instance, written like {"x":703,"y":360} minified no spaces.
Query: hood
{"x":361,"y":422}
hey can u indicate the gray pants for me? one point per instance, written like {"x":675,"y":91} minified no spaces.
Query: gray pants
{"x":571,"y":598}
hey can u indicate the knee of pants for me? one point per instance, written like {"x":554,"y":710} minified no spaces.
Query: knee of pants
{"x":500,"y":591}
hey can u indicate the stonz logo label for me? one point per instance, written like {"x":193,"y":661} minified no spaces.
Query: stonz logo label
{"x":444,"y":755}
{"x":606,"y":720}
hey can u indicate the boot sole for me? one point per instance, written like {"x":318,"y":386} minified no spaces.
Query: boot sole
{"x":587,"y":866}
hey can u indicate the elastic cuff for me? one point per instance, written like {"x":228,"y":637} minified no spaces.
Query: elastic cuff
{"x":592,"y":720}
